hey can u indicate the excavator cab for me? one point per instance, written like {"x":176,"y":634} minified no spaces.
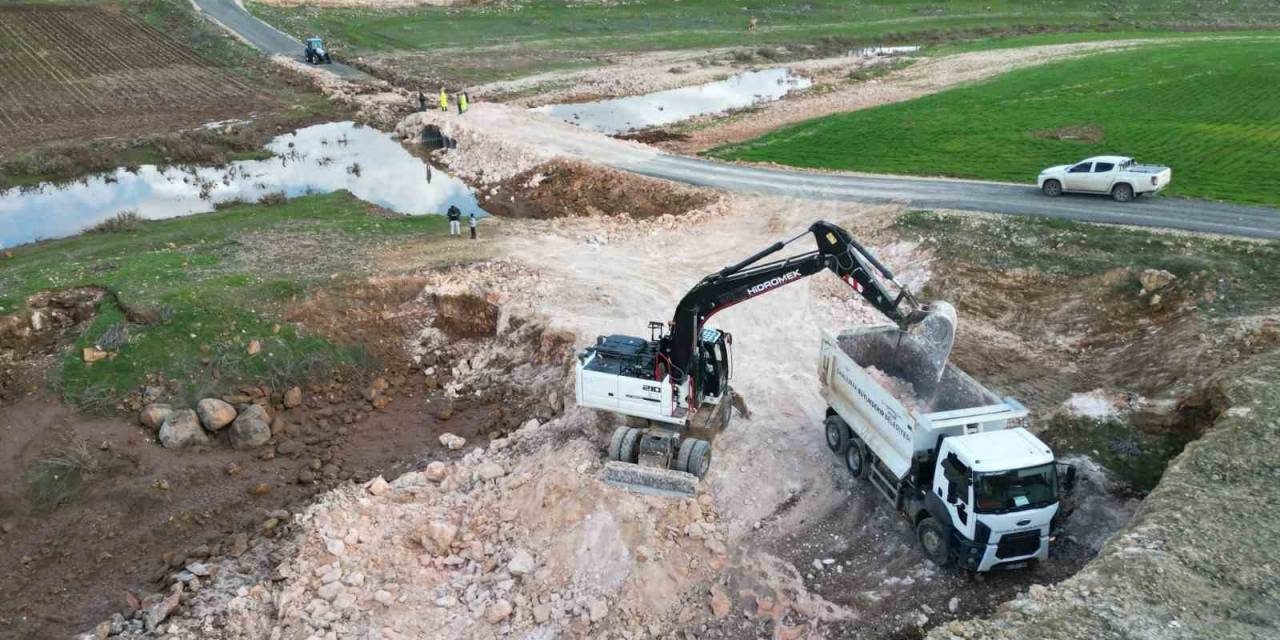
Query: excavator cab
{"x":714,"y":367}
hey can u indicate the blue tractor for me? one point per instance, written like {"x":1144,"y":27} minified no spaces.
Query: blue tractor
{"x":315,"y":52}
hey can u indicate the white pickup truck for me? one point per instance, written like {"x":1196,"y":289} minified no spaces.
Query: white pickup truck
{"x":1119,"y":176}
{"x":981,"y":491}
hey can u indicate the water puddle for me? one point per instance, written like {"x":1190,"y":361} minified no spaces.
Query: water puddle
{"x":620,"y":115}
{"x":319,"y":159}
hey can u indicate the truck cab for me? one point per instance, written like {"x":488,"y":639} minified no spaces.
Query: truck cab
{"x":998,"y":493}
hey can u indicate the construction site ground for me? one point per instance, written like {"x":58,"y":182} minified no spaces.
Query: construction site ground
{"x":363,"y":519}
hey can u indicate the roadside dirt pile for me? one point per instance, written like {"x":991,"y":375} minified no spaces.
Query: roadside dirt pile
{"x":1198,"y":560}
{"x":563,"y":188}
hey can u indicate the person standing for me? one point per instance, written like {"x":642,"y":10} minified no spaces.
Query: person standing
{"x":455,"y":221}
{"x":472,"y":223}
{"x":462,"y":102}
{"x":422,"y":101}
{"x":444,"y":100}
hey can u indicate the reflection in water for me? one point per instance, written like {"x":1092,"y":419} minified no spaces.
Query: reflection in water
{"x":319,"y":159}
{"x":620,"y":115}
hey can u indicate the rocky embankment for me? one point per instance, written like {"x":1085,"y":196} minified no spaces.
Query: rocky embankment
{"x":1201,"y":557}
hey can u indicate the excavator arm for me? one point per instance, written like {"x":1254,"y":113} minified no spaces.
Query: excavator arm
{"x":837,"y":251}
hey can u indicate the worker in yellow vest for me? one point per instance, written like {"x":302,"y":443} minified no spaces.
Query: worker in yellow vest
{"x":462,"y":102}
{"x":444,"y":100}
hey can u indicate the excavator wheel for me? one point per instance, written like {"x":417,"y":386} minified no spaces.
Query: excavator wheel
{"x":630,"y":449}
{"x":694,"y":457}
{"x":615,"y":443}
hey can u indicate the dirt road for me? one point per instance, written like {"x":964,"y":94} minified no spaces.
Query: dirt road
{"x":234,"y":18}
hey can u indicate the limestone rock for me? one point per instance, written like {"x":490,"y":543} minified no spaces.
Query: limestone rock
{"x":521,"y":563}
{"x":255,"y":346}
{"x":251,"y":429}
{"x":377,"y":486}
{"x":182,"y":429}
{"x":440,"y":535}
{"x":153,"y":415}
{"x":159,"y":611}
{"x":720,"y":604}
{"x":436,"y":471}
{"x":598,"y":609}
{"x":498,"y":611}
{"x":292,"y":398}
{"x":452,"y":442}
{"x":490,"y":471}
{"x":215,"y":414}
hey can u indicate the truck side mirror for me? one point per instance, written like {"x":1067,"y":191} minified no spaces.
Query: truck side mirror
{"x":1070,"y":484}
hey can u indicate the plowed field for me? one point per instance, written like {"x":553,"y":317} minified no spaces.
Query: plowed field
{"x":85,"y":72}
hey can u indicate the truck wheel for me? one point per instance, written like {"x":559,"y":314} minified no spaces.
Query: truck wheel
{"x":933,"y":542}
{"x":837,"y":435}
{"x":615,"y":442}
{"x":1051,"y":188}
{"x":630,"y":449}
{"x":855,"y":459}
{"x":1122,"y":193}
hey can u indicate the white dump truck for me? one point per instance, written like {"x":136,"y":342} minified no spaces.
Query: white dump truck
{"x":950,"y":454}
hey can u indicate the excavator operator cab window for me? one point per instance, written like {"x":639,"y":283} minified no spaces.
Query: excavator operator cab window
{"x":713,"y":356}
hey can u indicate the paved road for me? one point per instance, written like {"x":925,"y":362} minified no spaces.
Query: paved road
{"x":233,"y":17}
{"x":1170,"y":213}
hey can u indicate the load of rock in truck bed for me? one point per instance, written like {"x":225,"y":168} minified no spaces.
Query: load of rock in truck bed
{"x":896,"y":361}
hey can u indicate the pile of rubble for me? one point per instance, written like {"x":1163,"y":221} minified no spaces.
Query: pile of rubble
{"x":517,"y":536}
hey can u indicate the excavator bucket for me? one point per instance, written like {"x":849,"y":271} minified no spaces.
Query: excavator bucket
{"x":650,"y":480}
{"x":925,"y":348}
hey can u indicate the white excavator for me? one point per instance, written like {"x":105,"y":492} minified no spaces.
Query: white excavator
{"x":674,"y":385}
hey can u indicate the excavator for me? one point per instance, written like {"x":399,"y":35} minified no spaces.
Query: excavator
{"x":673,"y":387}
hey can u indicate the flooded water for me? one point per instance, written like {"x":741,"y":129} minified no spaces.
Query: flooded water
{"x":318,"y":159}
{"x":620,"y":115}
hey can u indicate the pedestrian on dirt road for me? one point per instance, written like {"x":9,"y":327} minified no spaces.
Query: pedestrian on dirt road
{"x":455,"y":221}
{"x":472,"y":223}
{"x":422,"y":101}
{"x":444,"y":100}
{"x":462,"y":102}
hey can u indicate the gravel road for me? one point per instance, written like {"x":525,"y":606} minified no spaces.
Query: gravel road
{"x":234,"y":18}
{"x":1163,"y":212}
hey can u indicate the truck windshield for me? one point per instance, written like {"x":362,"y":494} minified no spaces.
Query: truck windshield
{"x":1030,"y":488}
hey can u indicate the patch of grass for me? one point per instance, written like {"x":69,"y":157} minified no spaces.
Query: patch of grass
{"x":1137,"y":458}
{"x":63,"y":475}
{"x":1209,"y":109}
{"x":1242,"y":275}
{"x":195,"y":302}
{"x":122,"y":221}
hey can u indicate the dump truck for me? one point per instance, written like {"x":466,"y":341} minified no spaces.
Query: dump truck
{"x":951,"y":455}
{"x":674,"y":385}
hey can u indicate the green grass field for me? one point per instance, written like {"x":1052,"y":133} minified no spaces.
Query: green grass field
{"x":1209,"y":109}
{"x":549,"y":32}
{"x":207,"y":292}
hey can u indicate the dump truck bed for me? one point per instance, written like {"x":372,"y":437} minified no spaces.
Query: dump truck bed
{"x":871,"y":377}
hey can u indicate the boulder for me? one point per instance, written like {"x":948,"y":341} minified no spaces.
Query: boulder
{"x":377,"y":486}
{"x":521,"y":563}
{"x":153,"y":415}
{"x":720,"y":604}
{"x":251,"y":429}
{"x":182,"y":429}
{"x":436,"y":471}
{"x":215,"y":414}
{"x":452,"y":442}
{"x":159,"y":611}
{"x":490,"y":471}
{"x":292,"y":398}
{"x":1155,"y":279}
{"x":498,"y":611}
{"x":440,"y":535}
